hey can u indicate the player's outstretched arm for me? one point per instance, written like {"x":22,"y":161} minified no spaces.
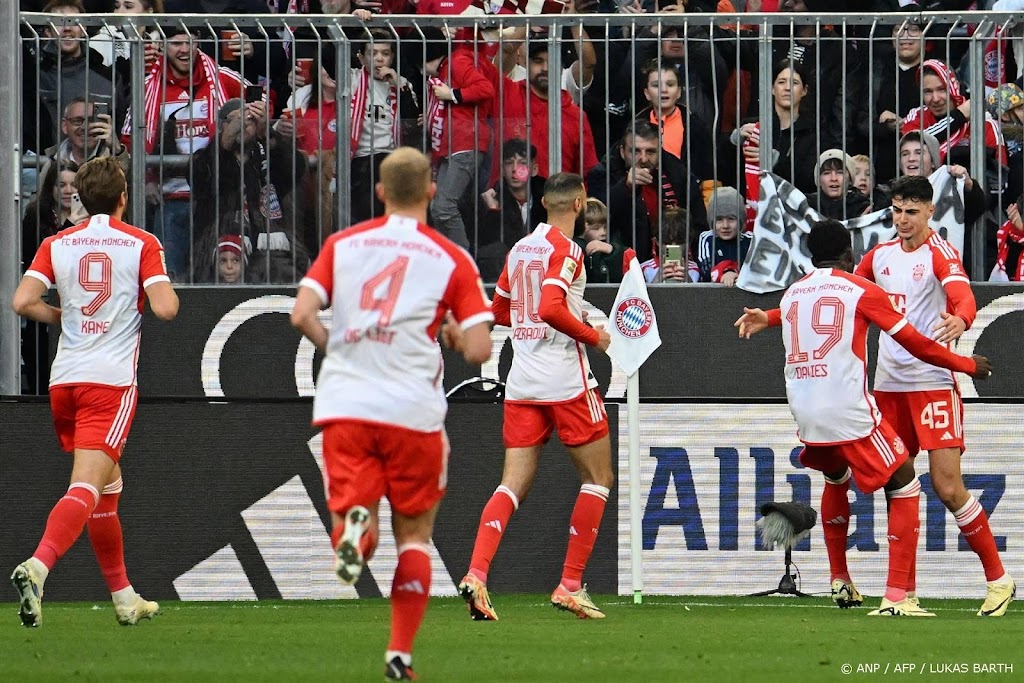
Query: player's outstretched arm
{"x":28,"y":302}
{"x":936,"y":354}
{"x":755,"y":320}
{"x":304,"y":317}
{"x":877,"y":308}
{"x":163,"y":300}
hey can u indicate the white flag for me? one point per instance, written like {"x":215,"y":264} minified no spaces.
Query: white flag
{"x":632,"y":325}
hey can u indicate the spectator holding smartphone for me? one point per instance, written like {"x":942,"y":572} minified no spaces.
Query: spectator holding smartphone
{"x":1010,"y":246}
{"x":87,"y":132}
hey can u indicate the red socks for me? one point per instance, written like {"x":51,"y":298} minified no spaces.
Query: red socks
{"x":493,"y":522}
{"x":973,"y":523}
{"x":904,"y":529}
{"x":410,"y":592}
{"x":835,"y":522}
{"x":65,"y":523}
{"x":583,"y":526}
{"x":104,"y":528}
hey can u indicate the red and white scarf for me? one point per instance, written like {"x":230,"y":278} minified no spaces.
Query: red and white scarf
{"x":360,"y":95}
{"x":752,"y":173}
{"x":154,"y":92}
{"x":434,"y":119}
{"x":1004,"y":271}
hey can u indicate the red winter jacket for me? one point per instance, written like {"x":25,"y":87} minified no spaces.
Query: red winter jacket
{"x":511,"y":112}
{"x":467,"y":125}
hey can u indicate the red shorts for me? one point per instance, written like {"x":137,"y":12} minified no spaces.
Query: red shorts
{"x":93,"y":416}
{"x":365,"y":461}
{"x":579,"y":421}
{"x":925,"y":420}
{"x":873,"y":459}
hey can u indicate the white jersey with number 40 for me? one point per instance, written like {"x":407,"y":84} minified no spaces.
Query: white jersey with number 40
{"x":101,"y":269}
{"x":548,"y":366}
{"x":390,"y":281}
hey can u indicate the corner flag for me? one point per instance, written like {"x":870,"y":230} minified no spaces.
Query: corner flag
{"x":633,"y":327}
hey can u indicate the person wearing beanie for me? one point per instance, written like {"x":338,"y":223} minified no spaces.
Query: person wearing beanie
{"x":836,"y":196}
{"x":1006,"y":105}
{"x":460,"y":94}
{"x":232,"y":257}
{"x":721,"y":250}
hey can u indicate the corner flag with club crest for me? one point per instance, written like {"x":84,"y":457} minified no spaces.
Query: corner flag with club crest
{"x":632,"y":325}
{"x":634,"y":332}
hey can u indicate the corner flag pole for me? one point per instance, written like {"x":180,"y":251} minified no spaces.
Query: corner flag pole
{"x":635,"y":512}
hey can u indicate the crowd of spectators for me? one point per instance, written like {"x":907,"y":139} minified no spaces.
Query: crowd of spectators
{"x":661,"y":120}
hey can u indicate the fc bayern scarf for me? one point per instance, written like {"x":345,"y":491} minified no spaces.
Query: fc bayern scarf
{"x":360,"y":95}
{"x":155,"y":86}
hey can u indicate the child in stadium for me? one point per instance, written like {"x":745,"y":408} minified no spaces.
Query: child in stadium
{"x":603,"y":258}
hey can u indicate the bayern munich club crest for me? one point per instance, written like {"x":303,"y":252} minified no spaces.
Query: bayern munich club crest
{"x":634,"y":317}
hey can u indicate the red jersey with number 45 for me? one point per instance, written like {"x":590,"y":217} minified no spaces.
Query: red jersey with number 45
{"x":101,"y":269}
{"x":825,"y":320}
{"x":548,"y":366}
{"x":390,"y":281}
{"x":922,"y":284}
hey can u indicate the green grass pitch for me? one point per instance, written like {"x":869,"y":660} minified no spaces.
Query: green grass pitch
{"x":665,"y":639}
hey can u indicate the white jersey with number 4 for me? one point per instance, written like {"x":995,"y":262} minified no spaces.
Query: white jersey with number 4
{"x":825,"y":320}
{"x":390,"y":281}
{"x":101,"y":269}
{"x":548,"y":366}
{"x":914,"y":281}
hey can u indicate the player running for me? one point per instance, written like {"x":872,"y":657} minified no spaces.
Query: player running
{"x":550,"y":387}
{"x":389,"y":282}
{"x":924,"y":277}
{"x":825,"y":318}
{"x":104,"y":270}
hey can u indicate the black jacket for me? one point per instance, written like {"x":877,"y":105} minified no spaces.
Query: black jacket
{"x":854,"y":203}
{"x":219,"y":207}
{"x":498,"y":231}
{"x":628,"y":220}
{"x":798,"y":150}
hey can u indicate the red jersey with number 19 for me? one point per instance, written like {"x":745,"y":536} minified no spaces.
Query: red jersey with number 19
{"x":548,"y":366}
{"x":101,"y":269}
{"x":825,"y":320}
{"x":390,"y":281}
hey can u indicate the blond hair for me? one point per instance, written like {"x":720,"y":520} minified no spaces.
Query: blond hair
{"x":596,"y":211}
{"x":405,"y":176}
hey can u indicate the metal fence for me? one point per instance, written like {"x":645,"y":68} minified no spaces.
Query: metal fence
{"x":229,"y":160}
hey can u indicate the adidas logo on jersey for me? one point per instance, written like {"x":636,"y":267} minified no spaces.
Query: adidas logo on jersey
{"x":494,"y":524}
{"x":885,"y":271}
{"x":837,"y":520}
{"x":413,"y":586}
{"x":573,"y":532}
{"x":946,"y":436}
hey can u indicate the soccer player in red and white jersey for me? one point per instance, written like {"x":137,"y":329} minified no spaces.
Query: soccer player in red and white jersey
{"x":104,"y":270}
{"x":550,"y":387}
{"x":925,"y":280}
{"x":390,"y":282}
{"x":825,"y":318}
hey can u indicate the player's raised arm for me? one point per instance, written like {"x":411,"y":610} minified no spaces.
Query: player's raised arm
{"x":877,"y":308}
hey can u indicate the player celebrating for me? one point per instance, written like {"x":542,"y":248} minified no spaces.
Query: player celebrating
{"x":101,"y":269}
{"x":925,"y":279}
{"x":379,"y":397}
{"x":825,"y":317}
{"x":550,"y":386}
